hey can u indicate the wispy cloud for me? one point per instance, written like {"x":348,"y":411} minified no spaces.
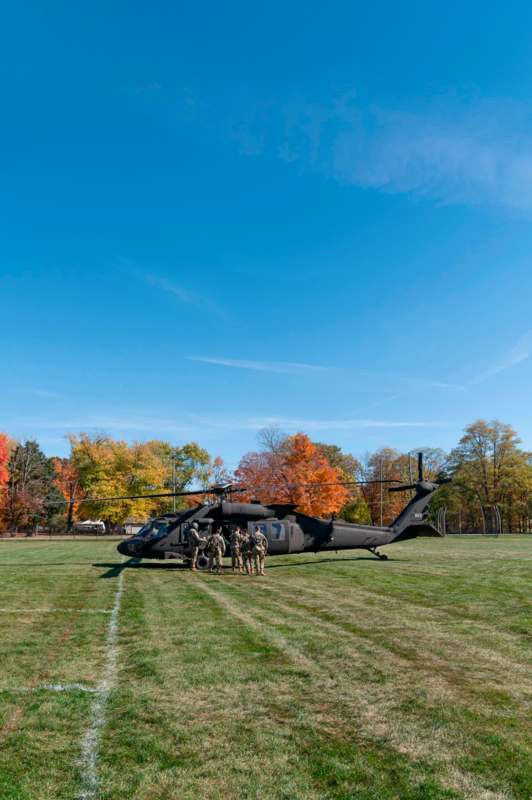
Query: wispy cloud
{"x":519,"y":352}
{"x":297,"y":368}
{"x":181,"y":293}
{"x":284,"y":367}
{"x":305,"y":424}
{"x":427,"y":383}
{"x":453,"y":151}
{"x":293,"y":424}
{"x":126,"y":422}
{"x":45,"y":393}
{"x":196,"y":425}
{"x":466,"y":155}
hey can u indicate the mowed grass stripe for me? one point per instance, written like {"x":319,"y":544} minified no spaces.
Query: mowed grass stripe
{"x":467,"y":784}
{"x":27,"y":637}
{"x":448,"y":647}
{"x":330,"y":717}
{"x":88,"y":761}
{"x":282,"y":688}
{"x":292,"y":745}
{"x":65,"y":633}
{"x":492,"y":711}
{"x":192,"y":712}
{"x":500,"y":622}
{"x":58,"y":610}
{"x":44,"y":727}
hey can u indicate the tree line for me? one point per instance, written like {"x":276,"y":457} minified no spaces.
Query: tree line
{"x":491,"y":477}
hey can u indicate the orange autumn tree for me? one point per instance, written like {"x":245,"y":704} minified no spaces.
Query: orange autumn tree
{"x":4,"y":472}
{"x":295,"y":471}
{"x":68,"y":482}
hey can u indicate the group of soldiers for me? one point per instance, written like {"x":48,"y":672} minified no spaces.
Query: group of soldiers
{"x":248,"y":550}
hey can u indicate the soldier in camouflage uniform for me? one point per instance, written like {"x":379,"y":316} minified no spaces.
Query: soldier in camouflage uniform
{"x":216,"y":550}
{"x":235,"y":540}
{"x":247,"y":552}
{"x":260,"y":548}
{"x":196,"y":540}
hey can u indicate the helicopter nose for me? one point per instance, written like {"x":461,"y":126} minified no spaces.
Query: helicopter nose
{"x":123,"y":548}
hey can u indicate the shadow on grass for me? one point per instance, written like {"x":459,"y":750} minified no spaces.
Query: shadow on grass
{"x":330,"y":561}
{"x":114,"y":568}
{"x":42,"y":564}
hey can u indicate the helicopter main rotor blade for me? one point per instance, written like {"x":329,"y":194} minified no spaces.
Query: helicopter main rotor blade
{"x":406,"y":486}
{"x":143,"y":496}
{"x":313,"y":485}
{"x":214,"y":490}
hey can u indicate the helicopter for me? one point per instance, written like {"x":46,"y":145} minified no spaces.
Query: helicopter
{"x":287,"y":530}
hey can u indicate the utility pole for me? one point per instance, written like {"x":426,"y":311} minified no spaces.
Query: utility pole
{"x":173,"y":481}
{"x":382,"y":494}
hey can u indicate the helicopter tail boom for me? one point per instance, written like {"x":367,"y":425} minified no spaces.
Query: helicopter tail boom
{"x":412,"y":521}
{"x":417,"y":529}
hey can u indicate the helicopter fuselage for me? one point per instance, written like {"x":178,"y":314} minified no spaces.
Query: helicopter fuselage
{"x":286,"y":529}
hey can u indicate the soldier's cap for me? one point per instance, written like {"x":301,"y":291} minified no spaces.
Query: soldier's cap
{"x":194,"y":524}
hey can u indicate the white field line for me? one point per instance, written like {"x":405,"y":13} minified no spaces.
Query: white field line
{"x":88,"y":760}
{"x":50,"y":687}
{"x":55,"y":610}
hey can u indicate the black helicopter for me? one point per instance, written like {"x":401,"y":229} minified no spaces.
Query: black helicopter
{"x":287,"y":529}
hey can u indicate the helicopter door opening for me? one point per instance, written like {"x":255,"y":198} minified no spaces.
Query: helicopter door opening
{"x":297,"y":539}
{"x":205,"y":528}
{"x":276,"y":534}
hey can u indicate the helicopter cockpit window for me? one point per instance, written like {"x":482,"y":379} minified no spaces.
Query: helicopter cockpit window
{"x":153,"y":530}
{"x":278,"y":532}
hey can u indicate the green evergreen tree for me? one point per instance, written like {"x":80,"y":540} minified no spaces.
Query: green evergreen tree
{"x":32,"y":496}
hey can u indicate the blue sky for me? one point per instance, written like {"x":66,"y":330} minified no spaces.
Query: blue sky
{"x":216,"y":217}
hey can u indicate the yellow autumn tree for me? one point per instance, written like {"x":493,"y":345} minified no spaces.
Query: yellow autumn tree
{"x":113,"y":468}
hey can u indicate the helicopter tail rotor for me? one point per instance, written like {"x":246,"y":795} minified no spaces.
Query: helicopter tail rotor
{"x":407,"y":486}
{"x":421,"y":479}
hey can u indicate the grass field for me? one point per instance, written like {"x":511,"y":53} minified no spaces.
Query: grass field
{"x":332,"y":677}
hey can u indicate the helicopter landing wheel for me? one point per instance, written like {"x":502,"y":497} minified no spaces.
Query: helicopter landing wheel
{"x":380,"y":556}
{"x":203,"y":562}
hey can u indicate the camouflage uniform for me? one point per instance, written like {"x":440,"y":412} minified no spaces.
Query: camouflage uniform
{"x":235,"y":540}
{"x":216,"y":550}
{"x":196,"y":540}
{"x":260,"y":548}
{"x":247,"y":552}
